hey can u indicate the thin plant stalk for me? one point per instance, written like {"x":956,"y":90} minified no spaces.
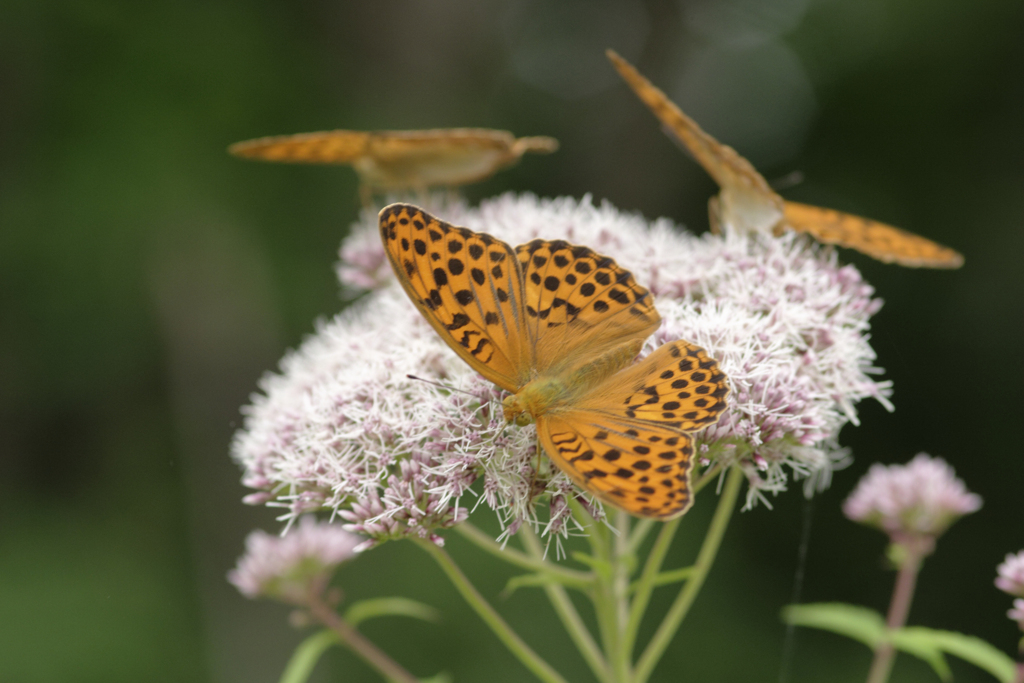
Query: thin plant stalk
{"x":595,"y":537}
{"x":899,"y":607}
{"x":568,"y":614}
{"x":357,"y":642}
{"x":672,"y":576}
{"x":604,"y":603}
{"x":307,"y":654}
{"x":536,"y":563}
{"x":705,"y":558}
{"x":640,"y":531}
{"x":601,"y":594}
{"x":646,"y":583}
{"x":530,"y":659}
{"x":648,"y":580}
{"x":619,"y":590}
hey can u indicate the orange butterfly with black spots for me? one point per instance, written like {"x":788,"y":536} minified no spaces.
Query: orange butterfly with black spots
{"x":747,"y":203}
{"x":559,"y":327}
{"x":401,"y":159}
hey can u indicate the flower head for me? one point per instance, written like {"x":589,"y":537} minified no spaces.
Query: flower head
{"x":1011,"y":575}
{"x":919,"y":499}
{"x":287,"y":567}
{"x":341,"y":426}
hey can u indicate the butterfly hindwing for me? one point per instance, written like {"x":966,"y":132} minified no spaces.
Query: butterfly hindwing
{"x":678,"y":386}
{"x":626,"y":439}
{"x":467,"y":285}
{"x":878,"y":240}
{"x":641,"y":468}
{"x":579,"y":304}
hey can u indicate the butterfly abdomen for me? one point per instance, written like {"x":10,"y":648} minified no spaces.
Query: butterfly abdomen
{"x":606,"y":365}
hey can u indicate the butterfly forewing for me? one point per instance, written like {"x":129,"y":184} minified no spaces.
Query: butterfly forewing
{"x":327,"y":147}
{"x":580,"y":304}
{"x":467,"y":285}
{"x":641,"y":468}
{"x":748,"y":201}
{"x":878,"y":240}
{"x":402,"y":159}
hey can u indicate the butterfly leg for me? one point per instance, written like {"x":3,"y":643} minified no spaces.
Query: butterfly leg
{"x":715,"y":216}
{"x":536,"y":486}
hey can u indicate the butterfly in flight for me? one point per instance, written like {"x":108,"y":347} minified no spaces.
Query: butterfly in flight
{"x":559,"y":327}
{"x":746,"y":202}
{"x":400,"y":160}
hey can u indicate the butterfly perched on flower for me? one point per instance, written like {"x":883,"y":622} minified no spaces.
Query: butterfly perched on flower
{"x":747,"y":203}
{"x":559,"y":327}
{"x":402,"y":159}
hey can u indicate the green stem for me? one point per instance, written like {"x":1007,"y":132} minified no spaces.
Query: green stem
{"x":665,"y":578}
{"x":567,"y":612}
{"x":708,"y":475}
{"x":705,"y":558}
{"x":604,"y":607}
{"x":530,"y":659}
{"x":595,"y":531}
{"x":358,"y":643}
{"x":307,"y":654}
{"x":651,"y":578}
{"x":645,"y":585}
{"x":623,"y":659}
{"x":604,"y":604}
{"x":512,"y":556}
{"x":640,"y":531}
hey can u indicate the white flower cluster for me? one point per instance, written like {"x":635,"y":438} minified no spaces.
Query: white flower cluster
{"x":342,"y":427}
{"x":921,"y":498}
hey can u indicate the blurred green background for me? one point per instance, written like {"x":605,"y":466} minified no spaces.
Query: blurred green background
{"x":147,"y":280}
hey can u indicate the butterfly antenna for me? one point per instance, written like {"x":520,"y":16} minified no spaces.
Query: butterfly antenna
{"x":442,"y":386}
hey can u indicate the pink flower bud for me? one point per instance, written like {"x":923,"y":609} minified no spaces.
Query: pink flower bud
{"x":287,"y":567}
{"x":1011,"y":575}
{"x":921,"y":498}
